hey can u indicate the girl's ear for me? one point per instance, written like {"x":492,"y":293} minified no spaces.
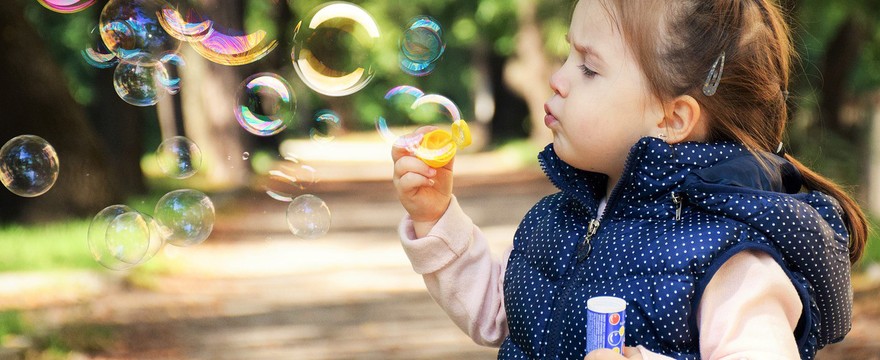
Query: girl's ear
{"x":684,"y":120}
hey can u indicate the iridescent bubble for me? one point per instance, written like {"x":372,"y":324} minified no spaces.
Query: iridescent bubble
{"x":179,"y":157}
{"x":66,"y":6}
{"x":138,"y":81}
{"x":421,"y":45}
{"x":171,"y":63}
{"x":290,"y":177}
{"x":234,"y":49}
{"x":308,"y":217}
{"x":265,"y":104}
{"x":326,"y":126}
{"x":333,"y":48}
{"x":98,"y":55}
{"x":185,"y":217}
{"x":128,"y":237}
{"x":396,"y":110}
{"x":130,"y":27}
{"x":97,"y":237}
{"x":28,"y":166}
{"x":183,"y":29}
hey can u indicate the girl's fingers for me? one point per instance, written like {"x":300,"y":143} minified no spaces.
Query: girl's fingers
{"x":411,"y":164}
{"x":406,"y":143}
{"x":412,"y":181}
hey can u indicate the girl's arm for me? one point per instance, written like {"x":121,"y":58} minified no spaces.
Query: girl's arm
{"x":460,"y":273}
{"x":749,"y":310}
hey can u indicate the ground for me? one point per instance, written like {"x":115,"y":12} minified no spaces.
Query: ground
{"x":254,"y":291}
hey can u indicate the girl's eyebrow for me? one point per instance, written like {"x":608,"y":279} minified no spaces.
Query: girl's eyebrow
{"x":586,"y":50}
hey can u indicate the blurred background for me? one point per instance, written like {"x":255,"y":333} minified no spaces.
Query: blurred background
{"x":258,"y":289}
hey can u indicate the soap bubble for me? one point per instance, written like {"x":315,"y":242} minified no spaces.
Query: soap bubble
{"x":130,"y":27}
{"x":66,"y":6}
{"x":179,"y":157}
{"x":171,"y":62}
{"x":308,"y":217}
{"x":28,"y":166}
{"x":98,"y":55}
{"x":226,"y":49}
{"x":396,"y":112}
{"x":421,"y":45}
{"x":128,"y":237}
{"x":184,"y":29}
{"x":333,"y":48}
{"x":138,"y":81}
{"x":265,"y":104}
{"x":98,"y":234}
{"x":326,"y":126}
{"x":290,"y":177}
{"x":185,"y":217}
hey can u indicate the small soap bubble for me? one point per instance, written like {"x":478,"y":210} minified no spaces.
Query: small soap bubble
{"x":98,"y":55}
{"x":421,"y":45}
{"x":28,"y":166}
{"x":265,"y":105}
{"x":308,"y":217}
{"x":66,"y":6}
{"x":185,"y":217}
{"x":333,"y":48}
{"x":138,"y":81}
{"x":245,"y":156}
{"x":395,"y":111}
{"x":326,"y":125}
{"x":130,"y":27}
{"x":289,"y":178}
{"x":169,"y":79}
{"x":97,"y":237}
{"x":179,"y":157}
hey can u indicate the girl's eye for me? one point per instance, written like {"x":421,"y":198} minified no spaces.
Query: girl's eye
{"x":589,"y":73}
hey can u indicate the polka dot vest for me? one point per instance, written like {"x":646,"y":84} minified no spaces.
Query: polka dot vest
{"x":677,"y":214}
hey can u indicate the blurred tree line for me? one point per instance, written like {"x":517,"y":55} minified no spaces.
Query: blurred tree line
{"x":498,"y":59}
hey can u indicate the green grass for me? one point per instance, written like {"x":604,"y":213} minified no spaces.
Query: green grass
{"x":45,"y":247}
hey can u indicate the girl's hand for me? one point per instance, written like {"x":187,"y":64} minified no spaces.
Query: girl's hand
{"x":424,"y":192}
{"x":607,"y":354}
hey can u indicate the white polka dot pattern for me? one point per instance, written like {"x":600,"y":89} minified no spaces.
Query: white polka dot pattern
{"x":660,"y":263}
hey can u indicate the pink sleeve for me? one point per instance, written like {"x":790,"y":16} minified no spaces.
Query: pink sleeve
{"x":461,"y":274}
{"x":749,"y":310}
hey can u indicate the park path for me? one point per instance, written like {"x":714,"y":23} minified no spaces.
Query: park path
{"x":254,"y":291}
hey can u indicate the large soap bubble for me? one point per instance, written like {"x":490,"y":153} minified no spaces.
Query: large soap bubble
{"x":129,"y":27}
{"x":140,"y":82}
{"x":66,"y":6}
{"x":185,"y":217}
{"x":265,"y":104}
{"x":119,"y":237}
{"x":333,"y":48}
{"x":28,"y":166}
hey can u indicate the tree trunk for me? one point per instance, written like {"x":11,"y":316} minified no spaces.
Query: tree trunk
{"x":528,"y":71}
{"x":36,"y":100}
{"x":208,"y":95}
{"x":841,"y":58}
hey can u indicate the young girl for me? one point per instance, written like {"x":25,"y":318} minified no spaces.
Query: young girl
{"x":675,"y":195}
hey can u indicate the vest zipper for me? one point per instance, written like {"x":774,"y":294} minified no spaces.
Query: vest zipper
{"x":678,"y":200}
{"x":585,"y":247}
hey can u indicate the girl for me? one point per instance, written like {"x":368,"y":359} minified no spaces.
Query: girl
{"x":675,"y":195}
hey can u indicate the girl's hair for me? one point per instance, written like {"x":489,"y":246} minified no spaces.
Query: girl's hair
{"x":750,"y":104}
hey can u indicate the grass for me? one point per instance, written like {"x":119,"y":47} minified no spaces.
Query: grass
{"x":47,"y":247}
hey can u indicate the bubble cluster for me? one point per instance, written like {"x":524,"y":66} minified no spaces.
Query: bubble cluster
{"x":333,"y":48}
{"x":308,"y":217}
{"x":265,"y":104}
{"x":221,"y":47}
{"x":421,"y":46}
{"x":66,"y":6}
{"x":185,"y":217}
{"x":131,"y":27}
{"x":120,"y":237}
{"x":326,"y":125}
{"x":179,"y":157}
{"x":28,"y":165}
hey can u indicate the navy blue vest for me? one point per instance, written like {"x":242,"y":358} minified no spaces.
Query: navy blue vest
{"x":677,"y":214}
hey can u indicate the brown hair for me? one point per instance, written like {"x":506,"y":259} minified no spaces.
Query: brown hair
{"x":750,"y":104}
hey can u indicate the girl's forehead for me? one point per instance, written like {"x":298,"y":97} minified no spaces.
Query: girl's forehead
{"x":593,"y":25}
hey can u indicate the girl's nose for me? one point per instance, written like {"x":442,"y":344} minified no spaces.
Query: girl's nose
{"x":558,"y":84}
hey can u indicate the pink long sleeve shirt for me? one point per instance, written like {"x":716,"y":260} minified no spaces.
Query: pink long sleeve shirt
{"x":749,"y":309}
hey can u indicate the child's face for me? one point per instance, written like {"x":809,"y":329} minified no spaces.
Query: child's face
{"x":602,"y":103}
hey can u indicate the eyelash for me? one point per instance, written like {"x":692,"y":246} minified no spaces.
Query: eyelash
{"x":587,"y":71}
